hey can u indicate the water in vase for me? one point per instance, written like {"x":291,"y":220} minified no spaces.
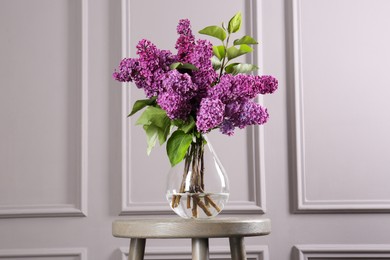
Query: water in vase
{"x":197,"y":205}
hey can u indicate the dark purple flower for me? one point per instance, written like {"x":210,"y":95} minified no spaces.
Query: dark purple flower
{"x":184,"y":28}
{"x":200,"y":56}
{"x":242,"y":115}
{"x":227,"y":128}
{"x":175,"y":105}
{"x":196,"y":53}
{"x":223,"y":89}
{"x":243,"y":87}
{"x":251,"y":113}
{"x":186,"y":40}
{"x":128,"y":70}
{"x":148,"y":70}
{"x":268,"y":84}
{"x":210,"y":114}
{"x":181,"y":83}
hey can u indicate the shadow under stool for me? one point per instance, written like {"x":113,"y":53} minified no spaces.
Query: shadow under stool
{"x":138,"y":230}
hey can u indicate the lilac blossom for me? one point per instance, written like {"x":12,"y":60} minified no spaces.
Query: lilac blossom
{"x":176,"y":93}
{"x":268,"y":84}
{"x":227,"y":127}
{"x":186,"y":40}
{"x":210,"y":114}
{"x":148,"y":71}
{"x":181,"y":83}
{"x":223,"y":90}
{"x":242,"y":115}
{"x":237,"y":93}
{"x":176,"y":106}
{"x":251,"y":113}
{"x":128,"y":70}
{"x":242,"y":86}
{"x":200,"y":56}
{"x":196,"y":53}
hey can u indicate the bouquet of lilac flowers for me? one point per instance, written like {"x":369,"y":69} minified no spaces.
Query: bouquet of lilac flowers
{"x":196,"y":90}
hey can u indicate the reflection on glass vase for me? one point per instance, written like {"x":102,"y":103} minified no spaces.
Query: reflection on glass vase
{"x":198,"y":187}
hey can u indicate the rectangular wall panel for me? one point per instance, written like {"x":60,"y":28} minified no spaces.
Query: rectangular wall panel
{"x":44,"y":253}
{"x":340,"y":252}
{"x":341,"y":103}
{"x":159,"y":253}
{"x":143,"y":177}
{"x":43,"y":108}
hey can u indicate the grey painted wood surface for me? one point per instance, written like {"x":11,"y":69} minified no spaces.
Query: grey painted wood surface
{"x":188,"y":228}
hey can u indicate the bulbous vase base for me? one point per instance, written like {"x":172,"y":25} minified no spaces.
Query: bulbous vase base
{"x":197,"y":205}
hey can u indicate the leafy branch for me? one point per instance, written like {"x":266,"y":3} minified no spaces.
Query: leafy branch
{"x":159,"y":127}
{"x":224,"y":54}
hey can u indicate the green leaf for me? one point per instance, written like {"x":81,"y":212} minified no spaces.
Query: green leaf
{"x":152,"y":133}
{"x":188,"y":126}
{"x":236,"y":68}
{"x":245,"y":40}
{"x":177,"y":122}
{"x":155,"y":116}
{"x":216,"y":63}
{"x":219,"y":51}
{"x":188,"y":66}
{"x":140,"y":104}
{"x":185,"y":126}
{"x":234,"y":52}
{"x":179,"y":65}
{"x":156,"y":124}
{"x":214,"y":31}
{"x":175,"y":65}
{"x":177,"y":146}
{"x":235,"y":23}
{"x":230,"y":68}
{"x":164,"y":131}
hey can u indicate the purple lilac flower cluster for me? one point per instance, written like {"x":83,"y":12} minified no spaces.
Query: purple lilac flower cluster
{"x":149,"y":70}
{"x":237,"y":94}
{"x":214,"y":102}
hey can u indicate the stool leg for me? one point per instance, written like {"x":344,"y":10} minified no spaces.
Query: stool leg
{"x":137,"y":249}
{"x":200,"y":249}
{"x":237,"y":248}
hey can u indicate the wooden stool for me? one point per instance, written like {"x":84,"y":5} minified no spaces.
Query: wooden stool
{"x":138,"y":230}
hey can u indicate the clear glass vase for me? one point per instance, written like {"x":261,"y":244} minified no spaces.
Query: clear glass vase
{"x":198,"y":186}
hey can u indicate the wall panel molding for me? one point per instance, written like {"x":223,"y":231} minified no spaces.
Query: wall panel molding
{"x":361,"y":251}
{"x":78,"y":207}
{"x":160,"y":253}
{"x":301,"y":202}
{"x":255,"y":137}
{"x":40,"y":253}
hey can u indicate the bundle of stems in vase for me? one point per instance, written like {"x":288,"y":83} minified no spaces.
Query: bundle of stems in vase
{"x":194,"y":186}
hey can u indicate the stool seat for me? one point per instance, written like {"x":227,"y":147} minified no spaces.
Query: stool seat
{"x":138,"y":230}
{"x":190,"y":228}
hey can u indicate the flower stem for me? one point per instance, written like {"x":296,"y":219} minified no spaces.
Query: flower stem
{"x":224,"y":57}
{"x":195,"y":189}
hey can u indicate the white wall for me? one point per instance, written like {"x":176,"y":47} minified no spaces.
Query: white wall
{"x":71,"y":162}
